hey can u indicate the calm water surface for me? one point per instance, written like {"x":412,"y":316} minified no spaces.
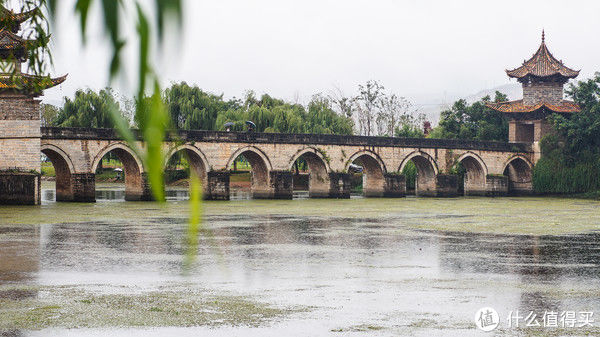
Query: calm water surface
{"x":411,"y":266}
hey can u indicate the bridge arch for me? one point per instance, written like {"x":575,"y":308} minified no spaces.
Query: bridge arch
{"x":261,"y":168}
{"x":63,"y":169}
{"x":195,"y":157}
{"x":374,"y":171}
{"x":519,"y":171}
{"x":318,"y":168}
{"x":427,"y":171}
{"x":135,"y":182}
{"x":475,"y":173}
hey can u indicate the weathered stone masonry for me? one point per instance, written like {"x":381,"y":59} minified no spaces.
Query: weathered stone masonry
{"x":272,"y":156}
{"x":19,"y":149}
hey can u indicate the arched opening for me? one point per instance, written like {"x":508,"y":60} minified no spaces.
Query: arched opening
{"x":249,"y":169}
{"x":179,"y":165}
{"x":371,"y":171}
{"x":519,"y":174}
{"x":56,"y":166}
{"x":420,"y":173}
{"x":119,"y":174}
{"x":471,"y":176}
{"x":311,"y":174}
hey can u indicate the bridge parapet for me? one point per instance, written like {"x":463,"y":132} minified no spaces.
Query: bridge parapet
{"x":292,"y":138}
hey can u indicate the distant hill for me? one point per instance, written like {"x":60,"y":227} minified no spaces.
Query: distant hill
{"x":432,"y":109}
{"x":512,"y":90}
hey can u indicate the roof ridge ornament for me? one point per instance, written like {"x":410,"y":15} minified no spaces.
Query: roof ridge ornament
{"x":543,"y":36}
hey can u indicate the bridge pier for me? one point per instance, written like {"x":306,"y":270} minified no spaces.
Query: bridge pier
{"x":77,"y":187}
{"x":446,"y":185}
{"x":282,"y":184}
{"x":443,"y":185}
{"x":426,"y":187}
{"x":138,"y":190}
{"x":395,"y":185}
{"x":217,"y":185}
{"x":496,"y":186}
{"x":392,"y":186}
{"x":475,"y":188}
{"x":339,"y":185}
{"x":84,"y":187}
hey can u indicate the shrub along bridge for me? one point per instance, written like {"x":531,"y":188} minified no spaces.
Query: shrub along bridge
{"x":492,"y":168}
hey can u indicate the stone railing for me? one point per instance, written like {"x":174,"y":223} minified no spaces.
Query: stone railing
{"x":291,"y":138}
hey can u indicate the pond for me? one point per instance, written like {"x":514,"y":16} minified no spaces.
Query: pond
{"x":408,"y":266}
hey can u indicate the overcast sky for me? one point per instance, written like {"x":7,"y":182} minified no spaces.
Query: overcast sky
{"x":427,"y":51}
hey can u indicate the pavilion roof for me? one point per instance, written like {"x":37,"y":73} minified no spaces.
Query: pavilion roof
{"x":10,"y":40}
{"x":564,"y":106}
{"x":28,"y":83}
{"x":542,"y":64}
{"x":7,"y":15}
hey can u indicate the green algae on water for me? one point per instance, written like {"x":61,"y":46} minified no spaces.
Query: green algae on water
{"x":72,"y":307}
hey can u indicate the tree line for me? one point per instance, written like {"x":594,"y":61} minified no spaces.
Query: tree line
{"x":570,"y":160}
{"x":571,"y":155}
{"x":371,"y":112}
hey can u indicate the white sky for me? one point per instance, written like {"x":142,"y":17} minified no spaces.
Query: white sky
{"x":428,"y":51}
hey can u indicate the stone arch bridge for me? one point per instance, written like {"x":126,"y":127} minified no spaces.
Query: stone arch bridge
{"x":492,"y":168}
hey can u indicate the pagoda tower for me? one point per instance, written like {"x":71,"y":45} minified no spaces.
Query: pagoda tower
{"x":20,"y":134}
{"x":543,"y":78}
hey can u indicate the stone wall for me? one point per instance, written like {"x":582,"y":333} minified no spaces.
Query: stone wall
{"x":17,"y":188}
{"x":537,"y":92}
{"x":19,"y":150}
{"x":19,"y":107}
{"x":20,"y":135}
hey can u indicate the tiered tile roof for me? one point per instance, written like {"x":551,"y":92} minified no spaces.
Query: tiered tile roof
{"x":518,"y":107}
{"x":14,"y":49}
{"x":12,"y":20}
{"x":545,"y":67}
{"x":29,"y":82}
{"x":542,"y":64}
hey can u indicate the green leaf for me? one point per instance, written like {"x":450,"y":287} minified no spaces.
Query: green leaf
{"x":154,"y":135}
{"x":164,"y":8}
{"x":82,"y":7}
{"x":194,"y":219}
{"x":144,"y":35}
